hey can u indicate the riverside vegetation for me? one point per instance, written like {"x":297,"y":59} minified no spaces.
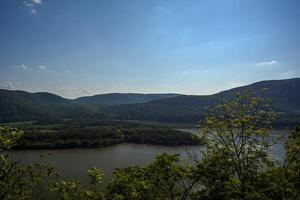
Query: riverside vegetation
{"x":74,"y":134}
{"x":236,"y":165}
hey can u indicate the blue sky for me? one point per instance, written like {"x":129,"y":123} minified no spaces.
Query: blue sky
{"x":85,"y":47}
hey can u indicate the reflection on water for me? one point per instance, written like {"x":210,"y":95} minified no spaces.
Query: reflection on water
{"x":73,"y":163}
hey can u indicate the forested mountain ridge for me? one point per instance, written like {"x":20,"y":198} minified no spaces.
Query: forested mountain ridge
{"x":284,"y":93}
{"x":121,"y":98}
{"x":191,"y":108}
{"x":19,"y":105}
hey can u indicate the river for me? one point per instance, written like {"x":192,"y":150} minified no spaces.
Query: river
{"x":73,"y":163}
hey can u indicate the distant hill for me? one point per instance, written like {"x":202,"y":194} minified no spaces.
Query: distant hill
{"x":121,"y":98}
{"x":19,"y":105}
{"x":191,"y":108}
{"x":285,"y":94}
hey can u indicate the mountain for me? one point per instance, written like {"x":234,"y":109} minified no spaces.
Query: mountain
{"x":284,"y":93}
{"x":121,"y":98}
{"x":191,"y":108}
{"x":19,"y":105}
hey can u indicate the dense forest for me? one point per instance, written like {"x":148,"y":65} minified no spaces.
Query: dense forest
{"x":74,"y":134}
{"x":236,"y":165}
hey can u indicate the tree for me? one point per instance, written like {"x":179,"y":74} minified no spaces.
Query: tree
{"x":9,"y":137}
{"x":96,"y":176}
{"x":12,"y":182}
{"x":69,"y":190}
{"x":19,"y":182}
{"x":162,"y":179}
{"x":237,"y":150}
{"x":74,"y":190}
{"x":41,"y":176}
{"x":292,"y":168}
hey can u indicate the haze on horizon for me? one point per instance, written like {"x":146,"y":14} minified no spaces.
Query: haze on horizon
{"x":170,"y":46}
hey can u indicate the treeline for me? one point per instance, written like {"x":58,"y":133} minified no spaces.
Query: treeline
{"x":100,"y":134}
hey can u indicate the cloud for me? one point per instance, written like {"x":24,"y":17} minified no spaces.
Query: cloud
{"x":37,"y":1}
{"x":42,"y":67}
{"x":235,"y":84}
{"x":9,"y":85}
{"x":25,"y":67}
{"x":267,"y":63}
{"x":33,"y":11}
{"x":73,"y":92}
{"x":28,"y":4}
{"x":288,"y":74}
{"x":85,"y":91}
{"x":32,"y":4}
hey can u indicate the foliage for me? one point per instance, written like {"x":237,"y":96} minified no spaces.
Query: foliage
{"x":13,"y":184}
{"x":292,"y":168}
{"x":73,"y":190}
{"x":69,"y":190}
{"x":237,"y":131}
{"x":236,"y":164}
{"x":17,"y":181}
{"x":70,"y":135}
{"x":96,"y":176}
{"x":9,"y":137}
{"x":163,"y":179}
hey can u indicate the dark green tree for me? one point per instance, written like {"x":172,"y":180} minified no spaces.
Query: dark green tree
{"x":292,"y":168}
{"x":237,"y":150}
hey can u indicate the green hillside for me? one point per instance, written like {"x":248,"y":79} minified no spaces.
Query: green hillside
{"x":190,"y":109}
{"x":20,"y":106}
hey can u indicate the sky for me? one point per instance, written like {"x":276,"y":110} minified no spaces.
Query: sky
{"x":84,"y":47}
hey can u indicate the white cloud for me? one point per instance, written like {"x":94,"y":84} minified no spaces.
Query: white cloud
{"x":288,"y":73}
{"x":28,"y":4}
{"x":33,"y":11}
{"x":235,"y":84}
{"x":42,"y":67}
{"x":85,"y":91}
{"x":73,"y":92}
{"x":37,"y":1}
{"x":10,"y":85}
{"x":267,"y":63}
{"x":31,"y":4}
{"x":23,"y":67}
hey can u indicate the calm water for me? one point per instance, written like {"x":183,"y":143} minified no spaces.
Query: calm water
{"x":73,"y":163}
